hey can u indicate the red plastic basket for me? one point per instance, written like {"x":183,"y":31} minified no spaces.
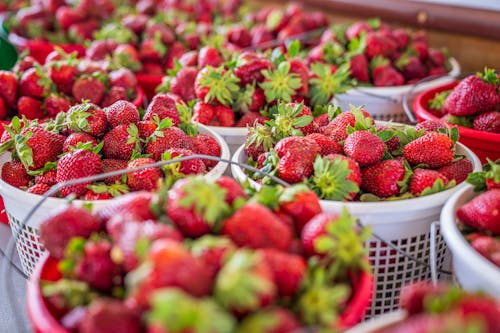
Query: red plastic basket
{"x":139,"y":99}
{"x":148,"y":83}
{"x":43,"y":321}
{"x":483,"y":144}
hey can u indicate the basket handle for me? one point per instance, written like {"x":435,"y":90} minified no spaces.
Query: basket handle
{"x":432,"y":251}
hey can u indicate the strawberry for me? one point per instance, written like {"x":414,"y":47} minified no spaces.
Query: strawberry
{"x":259,"y":140}
{"x":146,"y":128}
{"x":164,"y":106}
{"x":189,"y":59}
{"x":337,"y":128}
{"x":336,"y":177}
{"x":474,"y":95}
{"x":96,"y":266}
{"x":100,"y":49}
{"x":165,"y":317}
{"x":192,"y":212}
{"x":63,"y":74}
{"x":91,"y":195}
{"x":47,"y":178}
{"x":175,"y":52}
{"x":297,"y":155}
{"x":74,"y":139}
{"x":266,"y":232}
{"x":252,"y":99}
{"x":136,"y":205}
{"x":182,"y":83}
{"x":301,"y":204}
{"x":259,"y":288}
{"x":379,"y":45}
{"x":8,"y":88}
{"x":273,"y":320}
{"x":152,"y":50}
{"x":422,"y":49}
{"x":250,"y":119}
{"x":425,"y":182}
{"x":207,"y":145}
{"x":30,"y":108}
{"x":39,"y":189}
{"x":457,"y":171}
{"x":3,"y":110}
{"x":488,"y":247}
{"x":57,"y":230}
{"x":356,"y":29}
{"x":300,"y":69}
{"x":209,"y":56}
{"x":239,"y":36}
{"x":79,"y":163}
{"x":402,"y":37}
{"x":88,"y":89}
{"x":189,"y":167}
{"x":288,"y":270}
{"x":34,"y":83}
{"x":144,"y":179}
{"x":492,"y":176}
{"x":166,"y":34}
{"x":364,"y":147}
{"x":203,"y":113}
{"x":385,"y":178}
{"x":281,"y":83}
{"x":224,"y":116}
{"x":122,"y":142}
{"x":216,"y":86}
{"x":482,"y":306}
{"x":213,"y":251}
{"x":55,"y":104}
{"x":432,"y":149}
{"x":234,"y":190}
{"x":411,"y":67}
{"x":393,"y":144}
{"x":482,"y":212}
{"x":14,"y":173}
{"x":22,"y":66}
{"x":38,"y":146}
{"x":413,"y":296}
{"x":358,"y":66}
{"x":249,"y":68}
{"x":488,"y":122}
{"x":135,"y":22}
{"x":124,"y":78}
{"x":121,"y":112}
{"x":164,"y":139}
{"x":387,"y":76}
{"x":107,"y":314}
{"x":87,"y":118}
{"x":109,"y":165}
{"x":431,"y":125}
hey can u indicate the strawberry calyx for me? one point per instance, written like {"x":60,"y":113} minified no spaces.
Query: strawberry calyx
{"x":43,"y":80}
{"x":134,"y":139}
{"x":123,"y":60}
{"x":185,"y":115}
{"x":464,"y":121}
{"x":288,"y":120}
{"x":164,"y":86}
{"x":222,"y":85}
{"x":261,"y":135}
{"x":438,"y":100}
{"x":200,"y":245}
{"x":116,"y":32}
{"x":443,"y":302}
{"x":23,"y":151}
{"x":77,"y":116}
{"x":332,"y":52}
{"x":238,"y":286}
{"x":269,"y":167}
{"x":268,"y":196}
{"x":438,"y":186}
{"x":379,"y":61}
{"x":280,"y":84}
{"x":329,"y":180}
{"x":289,"y":194}
{"x":15,"y":127}
{"x":160,"y":126}
{"x":325,"y":85}
{"x":357,"y":45}
{"x":115,"y":190}
{"x":491,"y":171}
{"x":245,"y":99}
{"x":494,"y":171}
{"x":74,"y":293}
{"x":362,"y":123}
{"x":489,"y":76}
{"x":47,"y":167}
{"x":171,"y":171}
{"x":173,"y":310}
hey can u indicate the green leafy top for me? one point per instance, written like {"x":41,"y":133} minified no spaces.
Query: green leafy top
{"x":491,"y":170}
{"x":185,"y":115}
{"x":77,"y":116}
{"x":261,"y":321}
{"x":74,"y":293}
{"x":260,"y":135}
{"x":438,"y":186}
{"x":287,"y":120}
{"x":114,"y":189}
{"x":438,"y":100}
{"x":489,"y":76}
{"x":176,"y":312}
{"x":325,"y":85}
{"x":280,"y":84}
{"x":205,"y":242}
{"x":116,"y":32}
{"x":222,"y":85}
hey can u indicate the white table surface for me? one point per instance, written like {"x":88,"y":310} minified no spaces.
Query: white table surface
{"x":13,"y":318}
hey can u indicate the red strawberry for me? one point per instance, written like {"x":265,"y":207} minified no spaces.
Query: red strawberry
{"x":30,"y":108}
{"x":81,"y":31}
{"x":378,"y":44}
{"x":45,"y":147}
{"x":487,"y":122}
{"x":121,"y":142}
{"x":48,"y":178}
{"x":288,"y":270}
{"x":457,"y":171}
{"x":23,"y":65}
{"x":261,"y":35}
{"x":422,"y":49}
{"x":387,"y":76}
{"x":258,"y":141}
{"x":163,"y":31}
{"x":299,"y":68}
{"x":121,"y":112}
{"x":233,"y":189}
{"x":145,"y":179}
{"x":482,"y":212}
{"x":245,"y":265}
{"x":240,"y":36}
{"x":194,"y":214}
{"x":432,"y":149}
{"x":402,"y":37}
{"x":74,"y":138}
{"x":297,"y":164}
{"x":356,"y":29}
{"x":100,"y":49}
{"x":90,"y":195}
{"x":224,"y":116}
{"x":266,"y":232}
{"x":393,"y":144}
{"x":358,"y":66}
{"x":209,"y":56}
{"x":203,"y":113}
{"x":171,"y":137}
{"x":216,"y":86}
{"x":8,"y":88}
{"x":183,"y":83}
{"x":63,"y":74}
{"x":274,"y":320}
{"x":77,"y":164}
{"x":190,"y":167}
{"x":3,"y":110}
{"x":412,"y":298}
{"x":34,"y":83}
{"x":249,"y":68}
{"x":107,"y":314}
{"x":96,"y":266}
{"x":431,"y":125}
{"x":176,"y":51}
{"x":152,"y":50}
{"x":189,"y":59}
{"x":364,"y":147}
{"x":135,"y":22}
{"x":89,"y":89}
{"x":60,"y":227}
{"x":474,"y":95}
{"x":39,"y":189}
{"x":136,"y":205}
{"x":124,"y":78}
{"x":164,"y":106}
{"x":488,"y":247}
{"x":14,"y":173}
{"x":426,"y":182}
{"x":492,"y":176}
{"x":301,"y":204}
{"x":337,"y":128}
{"x":109,"y":165}
{"x":250,"y":118}
{"x":213,"y":251}
{"x":146,"y":128}
{"x":87,"y":118}
{"x":384,"y":179}
{"x":207,"y":145}
{"x":55,"y":104}
{"x":411,"y":67}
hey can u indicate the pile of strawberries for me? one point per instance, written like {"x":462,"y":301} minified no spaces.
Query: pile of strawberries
{"x":88,"y":140}
{"x":473,"y":103}
{"x":445,"y":308}
{"x":38,"y":92}
{"x":195,"y":259}
{"x":481,"y":216}
{"x":346,"y":156}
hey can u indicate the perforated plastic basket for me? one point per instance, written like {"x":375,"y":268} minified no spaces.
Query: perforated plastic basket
{"x":472,"y":270}
{"x":404,"y":223}
{"x":379,"y":323}
{"x":384,"y":103}
{"x":18,"y":204}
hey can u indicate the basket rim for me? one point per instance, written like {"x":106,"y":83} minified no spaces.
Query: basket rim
{"x":456,"y":241}
{"x":422,"y":112}
{"x":379,"y":322}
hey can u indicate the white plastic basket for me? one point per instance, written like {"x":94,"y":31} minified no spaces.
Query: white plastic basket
{"x":233,"y":136}
{"x":384,"y":103}
{"x":472,"y":270}
{"x":404,"y":223}
{"x":381,"y":322}
{"x":19,"y":203}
